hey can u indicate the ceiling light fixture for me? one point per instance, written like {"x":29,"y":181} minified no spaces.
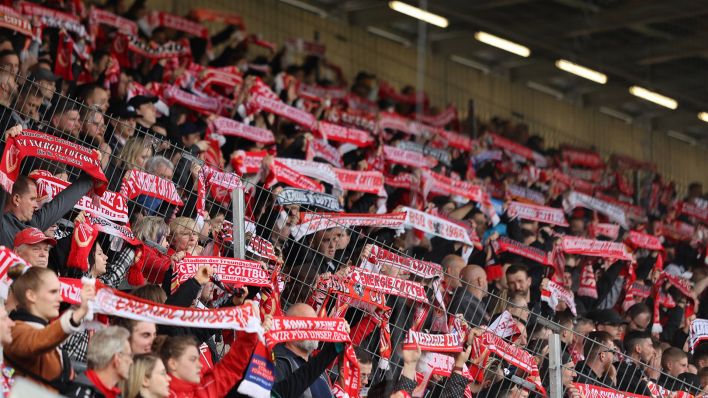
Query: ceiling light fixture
{"x":654,"y":97}
{"x":504,"y":44}
{"x":306,"y":7}
{"x":545,"y":89}
{"x":418,"y":13}
{"x":471,"y":63}
{"x":703,"y":116}
{"x":388,"y":35}
{"x":581,"y":71}
{"x":616,"y":114}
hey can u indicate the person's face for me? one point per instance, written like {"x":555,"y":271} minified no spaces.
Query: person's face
{"x":518,"y":282}
{"x":327,"y":244}
{"x":342,"y":238}
{"x":36,"y":255}
{"x":480,"y":222}
{"x":100,"y":261}
{"x":6,"y":325}
{"x":639,"y":322}
{"x":148,"y":113}
{"x":577,"y":227}
{"x":568,"y":374}
{"x":99,"y":98}
{"x":94,"y":125}
{"x":125,"y":127}
{"x":47,"y":89}
{"x":30,"y":106}
{"x":190,"y":139}
{"x":158,"y":381}
{"x":10,"y":63}
{"x":165,"y":172}
{"x":364,"y":373}
{"x":678,"y":367}
{"x":185,"y":239}
{"x":187,"y":366}
{"x":68,"y":122}
{"x":143,"y":157}
{"x":142,"y":337}
{"x":646,"y":352}
{"x":125,"y":360}
{"x":44,"y":302}
{"x":609,"y":354}
{"x":25,"y":204}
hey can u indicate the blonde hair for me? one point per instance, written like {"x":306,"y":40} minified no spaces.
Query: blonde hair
{"x":143,"y":365}
{"x":133,"y":148}
{"x":181,"y":224}
{"x":151,"y":228}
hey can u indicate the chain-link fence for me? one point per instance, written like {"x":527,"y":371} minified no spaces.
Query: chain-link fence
{"x":393,"y":284}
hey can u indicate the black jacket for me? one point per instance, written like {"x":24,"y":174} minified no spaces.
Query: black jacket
{"x":631,"y":378}
{"x":82,"y":387}
{"x":295,"y":381}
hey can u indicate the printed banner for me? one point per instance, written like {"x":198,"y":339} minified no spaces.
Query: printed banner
{"x":290,"y":196}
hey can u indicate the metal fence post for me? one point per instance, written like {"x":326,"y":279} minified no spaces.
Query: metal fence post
{"x":239,"y":224}
{"x":555,"y":366}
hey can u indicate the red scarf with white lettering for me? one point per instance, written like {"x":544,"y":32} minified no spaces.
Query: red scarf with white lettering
{"x":232,"y":128}
{"x":360,"y":181}
{"x":54,"y":18}
{"x":682,"y":285}
{"x":82,"y":241}
{"x":311,"y":222}
{"x":441,"y":119}
{"x":40,"y":145}
{"x":231,"y":271}
{"x":113,"y":206}
{"x":589,"y":390}
{"x":15,"y":22}
{"x":577,"y":157}
{"x":588,"y":284}
{"x":263,"y":99}
{"x":439,"y":226}
{"x":504,"y":245}
{"x":206,"y":14}
{"x":408,"y":158}
{"x":322,"y":150}
{"x":162,"y":19}
{"x":516,"y":148}
{"x":279,"y":172}
{"x":98,"y":16}
{"x":380,"y":257}
{"x":542,"y":214}
{"x":555,"y":293}
{"x":449,"y":342}
{"x":607,"y":230}
{"x":337,"y":133}
{"x":137,"y":182}
{"x":214,"y":179}
{"x":8,"y":258}
{"x":206,"y":105}
{"x":595,"y":248}
{"x":612,"y":211}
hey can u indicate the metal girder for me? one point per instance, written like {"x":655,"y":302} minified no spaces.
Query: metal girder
{"x":637,"y":13}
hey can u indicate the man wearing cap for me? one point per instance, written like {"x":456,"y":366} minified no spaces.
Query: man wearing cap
{"x":608,"y":321}
{"x":65,"y":119}
{"x":32,"y":245}
{"x":46,"y":82}
{"x":145,"y":107}
{"x":122,"y":125}
{"x":27,"y":104}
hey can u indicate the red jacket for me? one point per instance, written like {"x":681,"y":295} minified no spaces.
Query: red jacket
{"x":217,"y":382}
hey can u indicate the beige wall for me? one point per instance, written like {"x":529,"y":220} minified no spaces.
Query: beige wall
{"x":446,"y":82}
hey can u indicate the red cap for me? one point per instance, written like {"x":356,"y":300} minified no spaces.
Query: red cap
{"x":31,"y":236}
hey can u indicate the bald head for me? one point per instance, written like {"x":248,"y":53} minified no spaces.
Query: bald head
{"x":452,"y":265}
{"x":476,"y":279}
{"x":302,"y":310}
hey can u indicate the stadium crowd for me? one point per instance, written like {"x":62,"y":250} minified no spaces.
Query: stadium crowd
{"x":391,"y":249}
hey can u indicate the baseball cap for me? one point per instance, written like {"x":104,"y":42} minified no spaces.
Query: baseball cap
{"x":41,"y":74}
{"x":31,"y":236}
{"x":123,"y":111}
{"x":139,"y":100}
{"x":606,"y":317}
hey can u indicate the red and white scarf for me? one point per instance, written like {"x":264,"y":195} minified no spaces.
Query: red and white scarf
{"x":206,"y":14}
{"x":444,"y":138}
{"x":380,"y":257}
{"x":698,"y":332}
{"x":360,"y":181}
{"x":317,"y":170}
{"x":334,"y":132}
{"x":682,"y":285}
{"x":215,"y":180}
{"x":227,"y":76}
{"x":516,"y":148}
{"x":8,"y":258}
{"x":449,"y":342}
{"x":441,"y":119}
{"x":583,"y":158}
{"x":356,"y":119}
{"x":525,"y":194}
{"x":137,"y":182}
{"x":98,"y":16}
{"x":313,"y":222}
{"x":54,"y":18}
{"x":505,"y":326}
{"x":230,"y":127}
{"x":555,"y":293}
{"x":595,"y":248}
{"x":301,"y":328}
{"x":231,"y":271}
{"x":116,"y":303}
{"x":270,"y":103}
{"x":408,"y":158}
{"x":692,"y":210}
{"x":514,"y":355}
{"x":389,"y":285}
{"x":15,"y":22}
{"x":612,"y":211}
{"x":113,"y":205}
{"x":248,"y":162}
{"x":322,"y":150}
{"x":437,"y":226}
{"x":279,"y":172}
{"x":314,"y":92}
{"x":162,"y":19}
{"x":504,"y":245}
{"x":592,"y":391}
{"x":542,"y":214}
{"x":110,"y":228}
{"x":588,"y":283}
{"x":171,"y":49}
{"x":207,"y":105}
{"x":35,"y":144}
{"x":608,"y":230}
{"x":636,"y":239}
